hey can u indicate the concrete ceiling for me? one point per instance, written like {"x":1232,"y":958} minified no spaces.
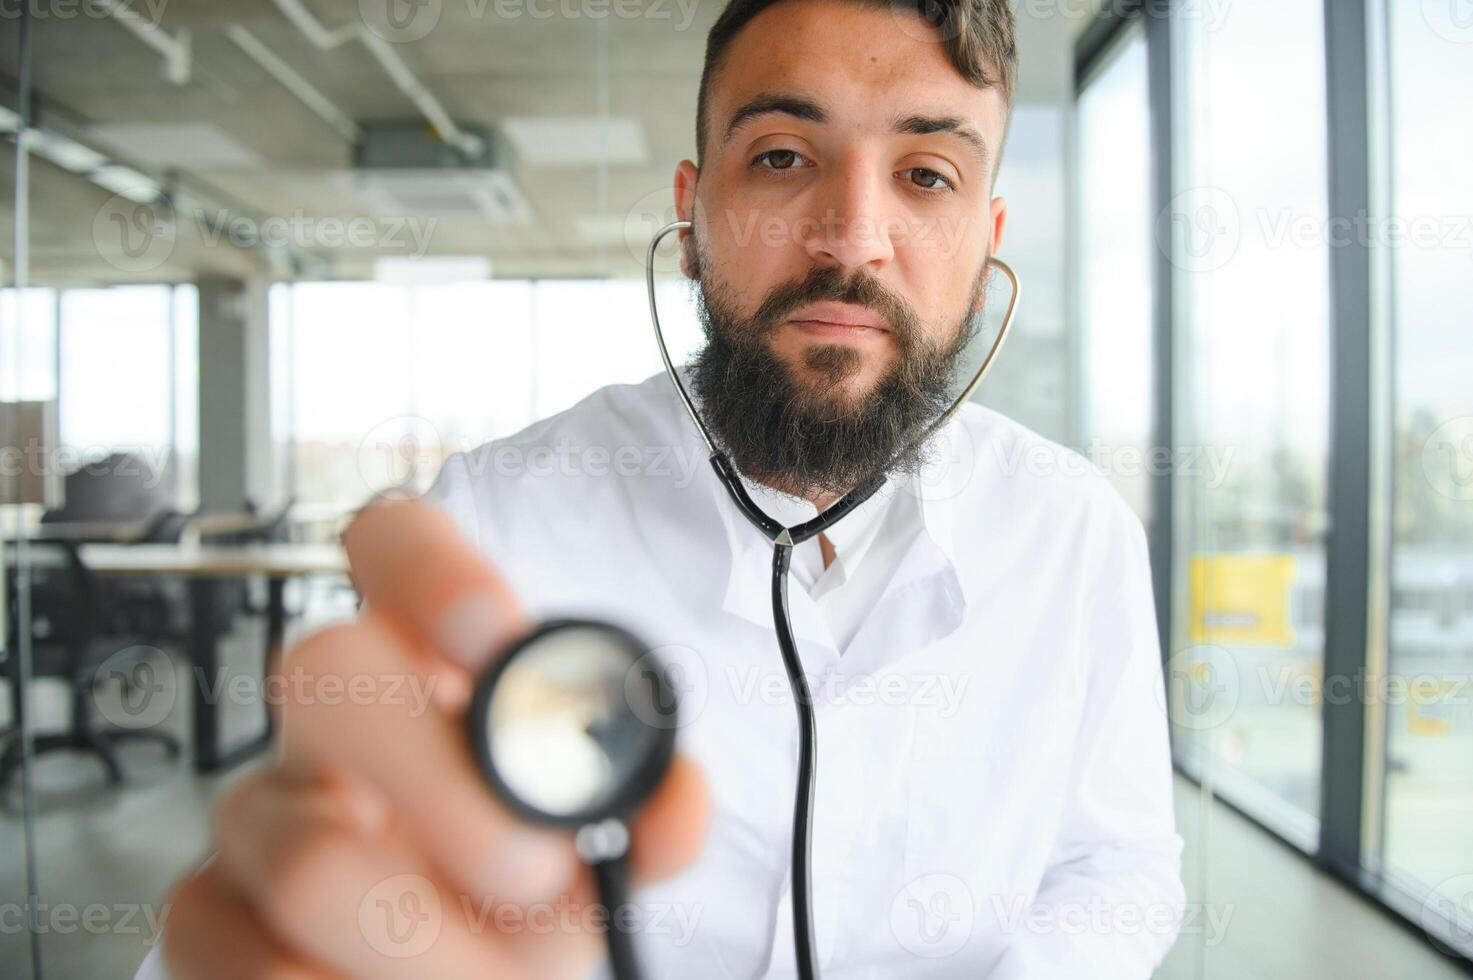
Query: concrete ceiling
{"x":237,"y":136}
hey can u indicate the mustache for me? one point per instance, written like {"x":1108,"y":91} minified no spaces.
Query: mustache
{"x":774,"y":425}
{"x":829,"y":284}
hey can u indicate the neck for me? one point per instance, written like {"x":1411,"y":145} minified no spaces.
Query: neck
{"x":820,"y":501}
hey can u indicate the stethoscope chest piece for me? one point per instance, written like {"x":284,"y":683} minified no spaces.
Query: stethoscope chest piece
{"x":574,"y":727}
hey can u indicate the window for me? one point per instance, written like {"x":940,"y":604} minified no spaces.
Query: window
{"x":1114,"y":292}
{"x":1246,"y":230}
{"x":27,"y":344}
{"x":1428,"y":821}
{"x":128,"y":379}
{"x":376,"y":384}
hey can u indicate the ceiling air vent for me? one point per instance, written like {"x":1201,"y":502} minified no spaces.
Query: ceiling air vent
{"x":404,"y":169}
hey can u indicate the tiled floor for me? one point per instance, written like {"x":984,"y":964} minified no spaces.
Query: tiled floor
{"x":1270,"y":913}
{"x":111,"y":854}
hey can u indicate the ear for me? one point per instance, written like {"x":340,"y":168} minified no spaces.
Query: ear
{"x":997,"y":218}
{"x":686,"y":175}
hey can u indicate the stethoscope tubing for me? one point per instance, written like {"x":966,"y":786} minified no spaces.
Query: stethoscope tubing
{"x":784,"y":539}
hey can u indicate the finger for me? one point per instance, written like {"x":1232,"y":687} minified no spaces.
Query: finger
{"x":666,"y":836}
{"x":212,"y":934}
{"x":418,"y":760}
{"x":412,"y":564}
{"x":670,"y":829}
{"x":365,"y":904}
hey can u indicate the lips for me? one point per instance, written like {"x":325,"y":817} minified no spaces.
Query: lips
{"x":839,"y":315}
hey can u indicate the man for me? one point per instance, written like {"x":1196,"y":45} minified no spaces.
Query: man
{"x":994,"y":782}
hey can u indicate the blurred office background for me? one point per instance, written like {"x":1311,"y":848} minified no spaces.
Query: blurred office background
{"x":245,"y":288}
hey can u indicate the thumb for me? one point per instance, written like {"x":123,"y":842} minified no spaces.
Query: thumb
{"x":668,"y":832}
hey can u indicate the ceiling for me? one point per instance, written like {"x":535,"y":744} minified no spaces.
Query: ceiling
{"x":247,"y":146}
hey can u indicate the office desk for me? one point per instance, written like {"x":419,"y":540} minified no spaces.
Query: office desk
{"x":205,"y":567}
{"x":122,"y":532}
{"x":196,"y":528}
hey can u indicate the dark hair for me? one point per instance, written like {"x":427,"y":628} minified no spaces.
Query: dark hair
{"x":979,"y":36}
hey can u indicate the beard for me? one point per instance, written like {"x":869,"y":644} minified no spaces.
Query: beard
{"x":810,"y":436}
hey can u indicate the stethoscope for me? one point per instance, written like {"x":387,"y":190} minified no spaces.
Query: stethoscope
{"x":574,"y":726}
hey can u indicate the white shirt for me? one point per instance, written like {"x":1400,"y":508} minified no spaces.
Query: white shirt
{"x":863,"y":580}
{"x":994,"y":795}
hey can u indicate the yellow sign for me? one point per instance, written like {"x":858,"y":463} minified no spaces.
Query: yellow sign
{"x":1240,"y":600}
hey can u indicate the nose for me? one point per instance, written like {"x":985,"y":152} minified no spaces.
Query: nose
{"x":850,"y":225}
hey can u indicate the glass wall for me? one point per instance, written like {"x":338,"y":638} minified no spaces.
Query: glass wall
{"x":1428,"y":819}
{"x":442,"y":368}
{"x":128,"y":373}
{"x":1246,"y":231}
{"x":28,"y":338}
{"x":1114,"y":303}
{"x":128,"y":360}
{"x":1251,"y":242}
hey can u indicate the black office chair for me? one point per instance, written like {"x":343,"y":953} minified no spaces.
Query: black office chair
{"x":124,"y":489}
{"x":120,"y":488}
{"x":74,"y":632}
{"x":272,"y":527}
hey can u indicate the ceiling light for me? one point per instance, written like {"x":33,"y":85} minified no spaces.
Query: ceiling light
{"x":127,"y":182}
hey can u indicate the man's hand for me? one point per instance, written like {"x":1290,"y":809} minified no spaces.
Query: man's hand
{"x":374,"y":848}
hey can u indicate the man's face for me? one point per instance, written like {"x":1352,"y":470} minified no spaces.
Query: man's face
{"x":845,"y":159}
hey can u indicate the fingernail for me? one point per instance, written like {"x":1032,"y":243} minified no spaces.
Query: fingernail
{"x":529,"y":866}
{"x":471,"y":630}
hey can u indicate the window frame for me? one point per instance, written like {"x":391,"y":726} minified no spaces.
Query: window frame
{"x":1350,"y":837}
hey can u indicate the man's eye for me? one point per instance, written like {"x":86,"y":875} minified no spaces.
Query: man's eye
{"x":780,"y":159}
{"x":926,"y":180}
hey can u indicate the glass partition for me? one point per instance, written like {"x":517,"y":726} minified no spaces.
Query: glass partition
{"x":1248,"y":231}
{"x":1428,"y":821}
{"x":1115,"y":303}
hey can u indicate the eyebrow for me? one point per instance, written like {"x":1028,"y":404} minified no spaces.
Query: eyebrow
{"x":960,"y":128}
{"x":774,"y":103}
{"x":806,"y":109}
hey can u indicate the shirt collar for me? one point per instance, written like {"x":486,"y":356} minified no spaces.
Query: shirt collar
{"x":850,"y":537}
{"x":950,"y":459}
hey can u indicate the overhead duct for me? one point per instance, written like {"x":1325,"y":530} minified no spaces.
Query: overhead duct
{"x":424,"y":100}
{"x":404,"y":169}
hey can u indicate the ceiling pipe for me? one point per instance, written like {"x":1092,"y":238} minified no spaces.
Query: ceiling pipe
{"x":424,"y":100}
{"x":178,"y":62}
{"x":294,"y":83}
